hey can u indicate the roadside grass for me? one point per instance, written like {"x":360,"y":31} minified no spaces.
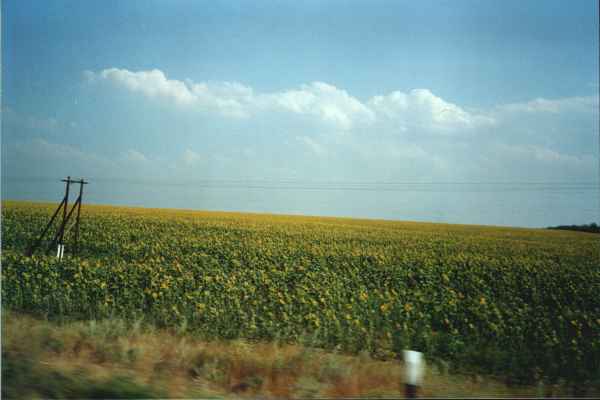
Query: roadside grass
{"x":130,"y":359}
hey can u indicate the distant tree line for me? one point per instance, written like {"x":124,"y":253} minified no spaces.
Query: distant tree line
{"x":593,"y":227}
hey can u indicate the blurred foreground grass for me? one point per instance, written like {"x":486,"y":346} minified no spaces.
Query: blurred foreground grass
{"x":118,"y":359}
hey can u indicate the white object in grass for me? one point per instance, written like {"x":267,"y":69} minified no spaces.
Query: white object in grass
{"x":414,"y":367}
{"x":60,"y":251}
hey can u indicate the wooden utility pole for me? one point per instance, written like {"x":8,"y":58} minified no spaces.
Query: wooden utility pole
{"x":76,"y":247}
{"x":64,"y":221}
{"x":59,"y":236}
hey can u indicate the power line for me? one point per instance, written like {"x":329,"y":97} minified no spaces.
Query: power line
{"x":376,"y":188}
{"x":267,"y":181}
{"x":556,"y":187}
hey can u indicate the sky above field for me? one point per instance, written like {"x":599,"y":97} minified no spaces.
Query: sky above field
{"x":453,"y":111}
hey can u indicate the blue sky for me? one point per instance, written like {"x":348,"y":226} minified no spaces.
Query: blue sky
{"x":350,"y":93}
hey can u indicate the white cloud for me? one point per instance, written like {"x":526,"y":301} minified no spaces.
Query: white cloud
{"x":231,"y":99}
{"x":553,"y":106}
{"x":39,"y":157}
{"x":421,"y":108}
{"x":414,"y":133}
{"x":312,"y":144}
{"x":150,"y":83}
{"x":324,"y":101}
{"x":29,"y":122}
{"x":42,"y":147}
{"x":134,"y":156}
{"x":190,"y":158}
{"x":317,"y":100}
{"x":535,"y":153}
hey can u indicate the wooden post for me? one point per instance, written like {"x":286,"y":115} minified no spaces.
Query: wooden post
{"x":62,"y":230}
{"x":79,"y":200}
{"x":410,"y":391}
{"x":413,"y":372}
{"x":39,"y":239}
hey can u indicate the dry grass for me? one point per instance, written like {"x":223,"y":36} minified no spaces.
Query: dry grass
{"x":184,"y":366}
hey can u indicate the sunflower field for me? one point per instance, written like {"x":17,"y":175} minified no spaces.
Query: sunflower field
{"x":523,"y":304}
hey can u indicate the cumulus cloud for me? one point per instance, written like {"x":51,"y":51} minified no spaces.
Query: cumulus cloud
{"x":152,"y":83}
{"x":14,"y":119}
{"x":232,"y":99}
{"x":420,"y":107}
{"x":190,"y":158}
{"x":413,"y":132}
{"x":535,"y":153}
{"x":323,"y":101}
{"x":40,"y":157}
{"x":41,"y":147}
{"x":312,"y":144}
{"x":134,"y":156}
{"x":317,"y":100}
{"x":553,"y":106}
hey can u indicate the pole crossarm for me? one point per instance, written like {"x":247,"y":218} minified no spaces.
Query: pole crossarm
{"x":80,"y":181}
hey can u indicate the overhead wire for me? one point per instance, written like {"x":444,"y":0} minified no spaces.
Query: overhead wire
{"x":349,"y":185}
